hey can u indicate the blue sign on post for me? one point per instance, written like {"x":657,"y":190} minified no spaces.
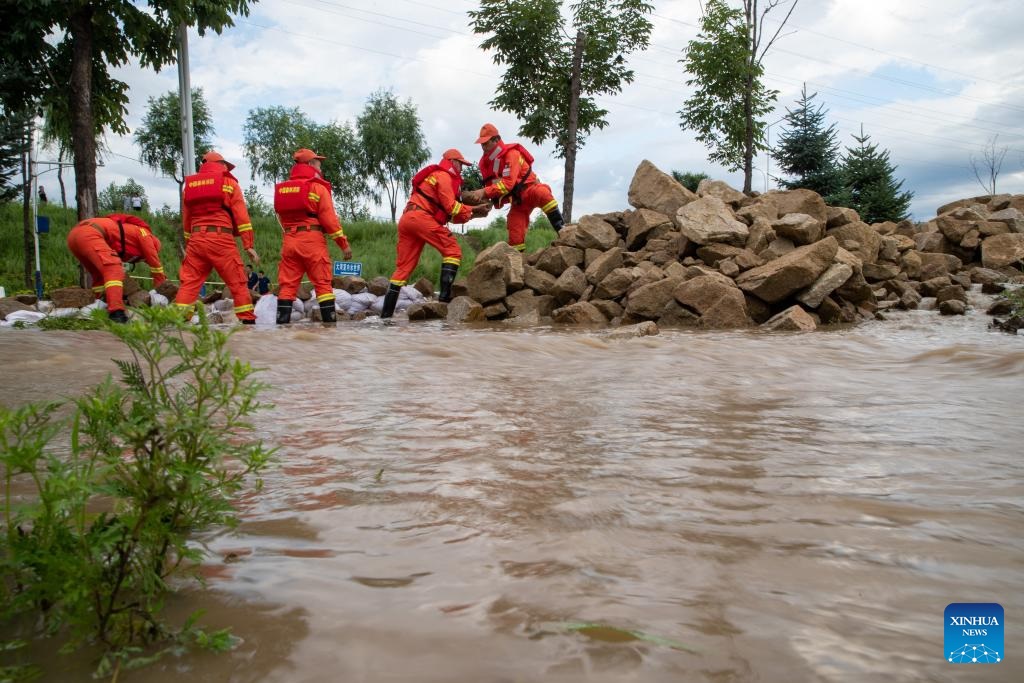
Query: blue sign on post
{"x":347,"y":268}
{"x":42,"y":224}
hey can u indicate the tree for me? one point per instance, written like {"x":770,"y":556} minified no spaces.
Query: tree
{"x":393,"y":144}
{"x":809,"y":151}
{"x":725,"y":62}
{"x":257,"y":205}
{"x":556,"y":66}
{"x":987,"y":169}
{"x":271,"y":136}
{"x":62,"y":52}
{"x":690,"y":180}
{"x":13,"y":126}
{"x":869,"y":185}
{"x":159,"y":136}
{"x":472,"y":179}
{"x":112,"y":199}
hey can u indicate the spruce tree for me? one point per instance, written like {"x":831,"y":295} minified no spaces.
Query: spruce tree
{"x":869,"y":185}
{"x":808,"y":151}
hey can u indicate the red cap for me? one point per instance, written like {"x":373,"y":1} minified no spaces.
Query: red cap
{"x":487,"y":132}
{"x":455,"y":155}
{"x":215,"y":156}
{"x":306,"y":155}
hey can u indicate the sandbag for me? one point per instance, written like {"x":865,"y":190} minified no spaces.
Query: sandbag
{"x":266,"y":310}
{"x":157,"y":299}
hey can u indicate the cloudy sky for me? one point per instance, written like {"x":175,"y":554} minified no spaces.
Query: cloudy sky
{"x":932,"y":82}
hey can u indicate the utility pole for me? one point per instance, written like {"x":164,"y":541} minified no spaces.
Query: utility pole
{"x":35,"y":206}
{"x":188,"y":151}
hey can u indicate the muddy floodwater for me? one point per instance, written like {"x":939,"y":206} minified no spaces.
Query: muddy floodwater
{"x":451,"y":504}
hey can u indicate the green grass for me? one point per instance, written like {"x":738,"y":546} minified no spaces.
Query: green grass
{"x":373,"y":244}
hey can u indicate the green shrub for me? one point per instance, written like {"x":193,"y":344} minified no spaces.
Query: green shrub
{"x":153,"y":457}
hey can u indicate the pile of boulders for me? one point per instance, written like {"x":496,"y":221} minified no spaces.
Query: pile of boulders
{"x":720,"y":259}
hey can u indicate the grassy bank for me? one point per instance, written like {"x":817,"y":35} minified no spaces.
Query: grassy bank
{"x":373,"y":244}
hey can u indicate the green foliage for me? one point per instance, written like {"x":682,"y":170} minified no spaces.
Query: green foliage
{"x":1016,"y":298}
{"x":257,"y":205}
{"x":153,"y":458}
{"x":159,"y":135}
{"x":727,"y":80}
{"x":70,"y":323}
{"x":690,"y":179}
{"x":111,"y":200}
{"x":394,"y":147}
{"x":808,"y":150}
{"x":869,"y":184}
{"x":472,"y":179}
{"x":273,"y":134}
{"x":534,"y":42}
{"x":13,"y":144}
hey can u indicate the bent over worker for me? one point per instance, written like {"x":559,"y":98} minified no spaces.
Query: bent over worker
{"x":507,"y":170}
{"x":433,"y":204}
{"x":306,"y":211}
{"x":101,"y":245}
{"x":213,"y":214}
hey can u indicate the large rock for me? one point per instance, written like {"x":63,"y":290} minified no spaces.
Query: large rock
{"x":720,"y":190}
{"x":1002,"y":250}
{"x":71,"y":297}
{"x":954,"y":229}
{"x":720,"y":305}
{"x":868,"y":241}
{"x":521,"y":302}
{"x":580,"y":313}
{"x":616,"y":283}
{"x":378,"y":286}
{"x":827,"y":282}
{"x":777,"y":279}
{"x":9,"y":305}
{"x":428,"y":310}
{"x":556,"y":259}
{"x":649,"y":300}
{"x":761,"y":235}
{"x":799,"y":227}
{"x":538,"y":280}
{"x":644,"y":224}
{"x":570,"y":285}
{"x":953,"y":307}
{"x":604,"y":264}
{"x":883,"y":270}
{"x":424,"y":287}
{"x":797,"y":201}
{"x":609,"y":309}
{"x":674,"y":315}
{"x":644,"y":329}
{"x":935,"y":265}
{"x":710,"y":220}
{"x":712,"y":253}
{"x":486,"y":282}
{"x":594,"y":233}
{"x":793,"y":319}
{"x":838,"y":216}
{"x":1012,"y":218}
{"x":511,"y":261}
{"x":655,"y":190}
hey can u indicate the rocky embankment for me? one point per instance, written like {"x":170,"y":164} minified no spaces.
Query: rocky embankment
{"x":713,"y":259}
{"x":720,"y":259}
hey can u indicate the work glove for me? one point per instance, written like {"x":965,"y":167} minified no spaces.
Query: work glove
{"x":481,"y":210}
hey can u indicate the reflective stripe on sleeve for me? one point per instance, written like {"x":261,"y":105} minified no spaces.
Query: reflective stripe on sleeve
{"x":156,"y":270}
{"x":553,"y":204}
{"x":501,"y":188}
{"x":336,"y":235}
{"x":245,"y":227}
{"x":456,"y":208}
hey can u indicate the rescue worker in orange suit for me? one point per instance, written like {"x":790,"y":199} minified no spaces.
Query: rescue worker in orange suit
{"x":507,"y":170}
{"x":213,"y":214}
{"x":306,"y":211}
{"x":101,"y":245}
{"x":435,"y":201}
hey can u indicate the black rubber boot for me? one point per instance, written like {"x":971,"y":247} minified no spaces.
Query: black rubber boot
{"x":390,"y":300}
{"x":328,"y":314}
{"x":284,"y":311}
{"x":118,"y":316}
{"x":555,"y":218}
{"x":448,"y":273}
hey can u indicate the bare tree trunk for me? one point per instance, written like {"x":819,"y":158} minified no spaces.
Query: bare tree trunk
{"x":748,"y":133}
{"x":60,"y":177}
{"x":26,"y":214}
{"x":83,"y":127}
{"x":574,"y":116}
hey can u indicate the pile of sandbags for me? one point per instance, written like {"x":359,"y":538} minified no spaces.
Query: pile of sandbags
{"x":720,"y":259}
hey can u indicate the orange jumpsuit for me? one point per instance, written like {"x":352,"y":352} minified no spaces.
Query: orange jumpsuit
{"x":303,"y":249}
{"x":503,"y":169}
{"x":431,"y":206}
{"x":210,"y":231}
{"x":101,"y":247}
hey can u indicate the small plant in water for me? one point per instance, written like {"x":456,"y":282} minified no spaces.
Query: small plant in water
{"x":153,"y":458}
